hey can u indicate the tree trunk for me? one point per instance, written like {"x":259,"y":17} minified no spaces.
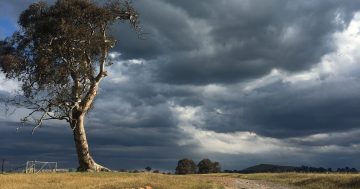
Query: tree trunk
{"x":86,"y":162}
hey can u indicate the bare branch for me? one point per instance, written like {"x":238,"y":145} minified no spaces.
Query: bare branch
{"x":39,"y":123}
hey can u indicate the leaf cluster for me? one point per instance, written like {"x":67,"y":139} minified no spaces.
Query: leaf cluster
{"x":207,"y":166}
{"x":60,"y":52}
{"x":186,"y":166}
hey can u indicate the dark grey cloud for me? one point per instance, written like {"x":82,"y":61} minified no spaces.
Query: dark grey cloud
{"x":221,"y":42}
{"x":292,"y":112}
{"x":305,"y":112}
{"x":51,"y":143}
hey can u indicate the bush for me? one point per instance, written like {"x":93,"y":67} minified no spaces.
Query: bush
{"x":148,"y":169}
{"x":185,"y":166}
{"x":207,"y":166}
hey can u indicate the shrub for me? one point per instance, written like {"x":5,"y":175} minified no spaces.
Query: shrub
{"x":185,"y":166}
{"x":207,"y":166}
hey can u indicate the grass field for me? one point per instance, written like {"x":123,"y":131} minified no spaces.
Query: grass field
{"x":160,"y":181}
{"x":109,"y":181}
{"x":307,"y":181}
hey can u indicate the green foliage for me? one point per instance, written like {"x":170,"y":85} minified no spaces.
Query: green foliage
{"x":148,"y":168}
{"x":207,"y":166}
{"x":186,"y":166}
{"x":60,"y":53}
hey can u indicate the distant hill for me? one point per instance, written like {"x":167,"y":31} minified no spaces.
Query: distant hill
{"x":269,"y":168}
{"x":263,"y":168}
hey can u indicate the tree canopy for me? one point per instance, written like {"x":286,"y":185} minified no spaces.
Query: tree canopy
{"x":59,"y":56}
{"x":207,"y":166}
{"x":185,"y":166}
{"x":60,"y":53}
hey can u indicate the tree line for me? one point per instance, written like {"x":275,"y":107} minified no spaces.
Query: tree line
{"x":301,"y":169}
{"x":188,"y":166}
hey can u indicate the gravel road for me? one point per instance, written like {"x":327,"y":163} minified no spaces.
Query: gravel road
{"x":253,"y":184}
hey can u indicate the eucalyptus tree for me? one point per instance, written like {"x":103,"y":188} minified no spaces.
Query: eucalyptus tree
{"x":185,"y":166}
{"x":60,"y":56}
{"x":207,"y":166}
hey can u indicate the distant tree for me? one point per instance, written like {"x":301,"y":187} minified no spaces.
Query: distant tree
{"x":207,"y":166}
{"x":185,"y":166}
{"x":347,"y":170}
{"x":148,"y":168}
{"x":156,"y":171}
{"x":59,"y":56}
{"x":216,"y":167}
{"x":353,"y":170}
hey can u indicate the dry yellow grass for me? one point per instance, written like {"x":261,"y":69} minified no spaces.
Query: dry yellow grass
{"x":307,"y":181}
{"x":160,"y":181}
{"x":108,"y":181}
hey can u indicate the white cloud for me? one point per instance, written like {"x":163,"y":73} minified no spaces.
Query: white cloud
{"x":190,"y":118}
{"x":187,"y":115}
{"x":114,"y":55}
{"x":192,"y":124}
{"x":9,"y":86}
{"x":118,"y":71}
{"x":341,"y":63}
{"x":136,"y":61}
{"x":252,"y":143}
{"x":335,"y":65}
{"x":329,"y":138}
{"x":232,"y":143}
{"x":119,"y":78}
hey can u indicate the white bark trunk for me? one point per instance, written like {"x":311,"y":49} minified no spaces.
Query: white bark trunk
{"x":86,"y":162}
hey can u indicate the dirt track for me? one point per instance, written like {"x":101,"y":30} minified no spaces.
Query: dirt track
{"x":253,"y":184}
{"x":238,"y":183}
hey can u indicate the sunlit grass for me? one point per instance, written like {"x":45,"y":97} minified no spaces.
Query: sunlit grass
{"x":307,"y":181}
{"x":161,"y":181}
{"x":105,"y":181}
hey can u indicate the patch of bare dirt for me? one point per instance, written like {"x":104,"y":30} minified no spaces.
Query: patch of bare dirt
{"x":254,"y":184}
{"x":145,"y":187}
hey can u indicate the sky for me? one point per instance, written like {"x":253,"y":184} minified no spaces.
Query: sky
{"x":241,"y":82}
